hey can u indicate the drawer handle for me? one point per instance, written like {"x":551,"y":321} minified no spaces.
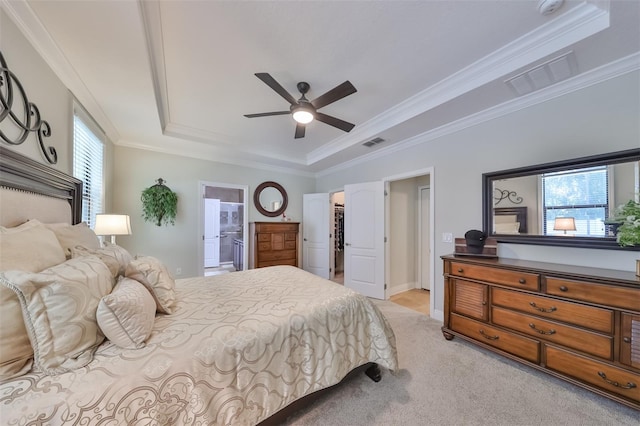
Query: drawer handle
{"x":626,"y":339}
{"x":460,"y":270}
{"x":629,"y":385}
{"x":563,"y":288}
{"x":486,"y":336}
{"x":551,"y":309}
{"x":522,"y":281}
{"x":548,"y":333}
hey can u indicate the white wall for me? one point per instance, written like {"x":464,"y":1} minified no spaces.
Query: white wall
{"x":50,"y":95}
{"x":177,"y":246}
{"x":595,"y":120}
{"x":44,"y":89}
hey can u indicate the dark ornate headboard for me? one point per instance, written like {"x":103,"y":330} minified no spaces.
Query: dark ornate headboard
{"x":519,"y":212}
{"x":23,"y":173}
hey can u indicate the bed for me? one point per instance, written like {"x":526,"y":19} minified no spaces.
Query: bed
{"x":226,"y":349}
{"x":510,"y":220}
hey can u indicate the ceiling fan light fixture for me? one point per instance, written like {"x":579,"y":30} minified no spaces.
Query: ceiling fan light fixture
{"x":303,"y":115}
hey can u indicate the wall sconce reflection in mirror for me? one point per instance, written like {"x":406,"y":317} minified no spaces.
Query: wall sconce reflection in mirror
{"x":505,"y":194}
{"x":27,"y":122}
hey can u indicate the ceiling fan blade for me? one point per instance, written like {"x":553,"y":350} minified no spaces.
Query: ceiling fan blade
{"x":267,"y":114}
{"x":271,"y":82}
{"x":338,"y":92}
{"x":300,"y":128}
{"x":335,"y":122}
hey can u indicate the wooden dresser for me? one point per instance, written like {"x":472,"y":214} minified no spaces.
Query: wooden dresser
{"x":578,"y":324}
{"x":274,"y":243}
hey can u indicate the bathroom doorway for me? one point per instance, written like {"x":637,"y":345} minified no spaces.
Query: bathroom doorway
{"x":223,"y":227}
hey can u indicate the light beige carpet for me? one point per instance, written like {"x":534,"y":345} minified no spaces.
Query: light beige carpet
{"x":444,"y":382}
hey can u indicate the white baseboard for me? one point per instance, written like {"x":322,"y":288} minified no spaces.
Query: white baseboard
{"x":399,"y":288}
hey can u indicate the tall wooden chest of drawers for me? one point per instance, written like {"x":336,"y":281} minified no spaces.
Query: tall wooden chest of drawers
{"x":274,"y":243}
{"x":578,"y":324}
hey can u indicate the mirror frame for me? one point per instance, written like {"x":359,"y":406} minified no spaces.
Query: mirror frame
{"x":608,"y":243}
{"x":283,"y":193}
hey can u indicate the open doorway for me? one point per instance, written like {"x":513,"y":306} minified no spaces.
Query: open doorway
{"x":409,"y":248}
{"x":224,"y":228}
{"x":337,"y":237}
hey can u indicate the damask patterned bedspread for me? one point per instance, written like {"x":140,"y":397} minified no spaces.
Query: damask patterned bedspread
{"x":239,"y":348}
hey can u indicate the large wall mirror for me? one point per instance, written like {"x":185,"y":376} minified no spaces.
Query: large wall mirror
{"x":270,"y":199}
{"x":565,"y":203}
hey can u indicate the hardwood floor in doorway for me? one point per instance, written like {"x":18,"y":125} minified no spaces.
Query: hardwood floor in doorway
{"x":416,"y":299}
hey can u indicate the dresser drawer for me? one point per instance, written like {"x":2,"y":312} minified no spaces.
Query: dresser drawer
{"x":586,"y":341}
{"x":277,"y":255}
{"x":506,"y":277}
{"x":585,"y":316}
{"x":263,"y":264}
{"x":611,"y":378}
{"x":276,"y":227}
{"x":264,"y":238}
{"x":521,"y":346}
{"x":622,"y":297}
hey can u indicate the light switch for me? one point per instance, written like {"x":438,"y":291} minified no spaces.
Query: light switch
{"x":447,"y":237}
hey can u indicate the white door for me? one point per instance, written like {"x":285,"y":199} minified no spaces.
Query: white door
{"x":315,"y":234}
{"x":211,"y":233}
{"x":424,"y":252}
{"x":364,"y":238}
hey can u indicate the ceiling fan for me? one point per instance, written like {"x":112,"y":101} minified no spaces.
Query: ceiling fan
{"x":303,"y":110}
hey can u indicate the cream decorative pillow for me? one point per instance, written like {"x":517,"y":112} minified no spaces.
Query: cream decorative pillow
{"x":29,"y":247}
{"x":126,"y":315}
{"x":156,"y":278}
{"x":70,"y":236}
{"x":507,"y":228}
{"x":114,"y":256}
{"x":16,"y":354}
{"x":59,"y":310}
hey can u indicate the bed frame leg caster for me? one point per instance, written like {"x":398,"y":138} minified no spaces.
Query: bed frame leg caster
{"x":374,"y":373}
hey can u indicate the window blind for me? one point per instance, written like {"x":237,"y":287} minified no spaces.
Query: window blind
{"x":88,"y":164}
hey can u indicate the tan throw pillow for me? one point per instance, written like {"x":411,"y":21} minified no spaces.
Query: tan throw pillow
{"x":29,"y":247}
{"x":16,"y":353}
{"x":156,"y":278}
{"x":59,"y":310}
{"x":126,"y":315}
{"x":71,"y":236}
{"x":114,"y":256}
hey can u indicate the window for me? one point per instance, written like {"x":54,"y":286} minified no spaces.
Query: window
{"x":581,"y":194}
{"x":88,"y":163}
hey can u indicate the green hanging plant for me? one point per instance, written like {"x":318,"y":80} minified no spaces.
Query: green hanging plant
{"x":159,"y":204}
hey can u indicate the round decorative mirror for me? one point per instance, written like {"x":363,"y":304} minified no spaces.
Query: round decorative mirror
{"x":270,"y":199}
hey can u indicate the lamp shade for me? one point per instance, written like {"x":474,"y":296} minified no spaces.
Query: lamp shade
{"x":112,"y":224}
{"x":564,"y":224}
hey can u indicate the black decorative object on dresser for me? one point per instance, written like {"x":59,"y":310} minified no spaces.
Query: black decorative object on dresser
{"x":579,"y":324}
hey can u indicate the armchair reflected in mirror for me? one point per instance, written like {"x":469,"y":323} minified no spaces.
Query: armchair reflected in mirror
{"x":522,"y":205}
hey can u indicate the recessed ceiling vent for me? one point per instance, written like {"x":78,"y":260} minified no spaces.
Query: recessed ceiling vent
{"x":373,"y":142}
{"x":544,"y":75}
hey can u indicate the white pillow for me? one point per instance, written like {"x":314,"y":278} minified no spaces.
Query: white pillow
{"x":115,"y":257}
{"x":126,"y":315}
{"x":70,"y":236}
{"x":59,"y":310}
{"x":507,"y":228}
{"x":505,"y":218}
{"x":16,"y":354}
{"x":29,"y":247}
{"x":150,"y":272}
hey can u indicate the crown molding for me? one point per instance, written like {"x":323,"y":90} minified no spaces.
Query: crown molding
{"x":211,"y":153}
{"x":578,"y":23}
{"x":35,"y":32}
{"x":598,"y":75}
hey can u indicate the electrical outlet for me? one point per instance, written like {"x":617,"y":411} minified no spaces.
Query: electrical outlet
{"x":447,"y":237}
{"x":178,"y":271}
